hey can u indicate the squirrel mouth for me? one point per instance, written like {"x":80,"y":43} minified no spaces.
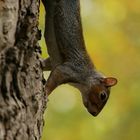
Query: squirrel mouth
{"x":93,"y":109}
{"x":93,"y":113}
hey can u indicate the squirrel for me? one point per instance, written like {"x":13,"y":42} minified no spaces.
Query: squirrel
{"x":63,"y":34}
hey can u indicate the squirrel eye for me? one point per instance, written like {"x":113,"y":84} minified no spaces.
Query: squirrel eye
{"x":103,"y":96}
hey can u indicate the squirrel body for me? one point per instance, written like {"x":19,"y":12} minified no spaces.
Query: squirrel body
{"x":63,"y":32}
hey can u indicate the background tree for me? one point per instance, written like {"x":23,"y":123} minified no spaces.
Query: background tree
{"x":22,"y":101}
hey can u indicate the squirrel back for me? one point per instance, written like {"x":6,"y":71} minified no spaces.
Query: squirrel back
{"x":68,"y":32}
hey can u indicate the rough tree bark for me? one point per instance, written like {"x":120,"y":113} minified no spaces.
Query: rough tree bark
{"x":22,"y":101}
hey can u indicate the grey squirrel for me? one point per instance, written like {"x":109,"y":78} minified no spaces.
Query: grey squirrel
{"x":64,"y":35}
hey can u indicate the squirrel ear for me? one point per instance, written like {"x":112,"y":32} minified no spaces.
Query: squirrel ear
{"x":110,"y":81}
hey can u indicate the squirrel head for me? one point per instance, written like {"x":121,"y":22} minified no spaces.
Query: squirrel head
{"x":96,"y":93}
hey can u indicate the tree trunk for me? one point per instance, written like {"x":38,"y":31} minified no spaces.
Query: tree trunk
{"x":22,"y":99}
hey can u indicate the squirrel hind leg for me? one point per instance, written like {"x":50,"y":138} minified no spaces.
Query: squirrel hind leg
{"x":49,"y":33}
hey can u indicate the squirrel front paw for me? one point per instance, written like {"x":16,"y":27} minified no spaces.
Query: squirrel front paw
{"x":46,"y":64}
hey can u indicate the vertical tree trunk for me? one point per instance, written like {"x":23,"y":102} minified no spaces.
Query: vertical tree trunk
{"x":22,"y":99}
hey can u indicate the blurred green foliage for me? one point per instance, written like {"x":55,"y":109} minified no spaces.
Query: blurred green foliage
{"x":112,"y":36}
